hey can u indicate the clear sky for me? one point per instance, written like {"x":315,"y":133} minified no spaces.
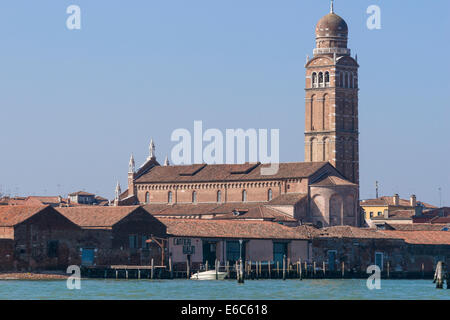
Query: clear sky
{"x":76,"y":103}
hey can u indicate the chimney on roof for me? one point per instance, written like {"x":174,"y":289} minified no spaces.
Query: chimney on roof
{"x":396,"y":199}
{"x":386,"y":214}
{"x":413,"y":201}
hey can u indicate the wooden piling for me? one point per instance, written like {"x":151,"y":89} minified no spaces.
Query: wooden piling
{"x":278,"y":269}
{"x":139,"y":274}
{"x":314,"y":269}
{"x":423,"y":270}
{"x":206,"y":266}
{"x":268,"y":265}
{"x":323,"y":268}
{"x":300,"y":269}
{"x":152,"y":270}
{"x":343,"y":269}
{"x":284,"y":267}
{"x":170,"y":268}
{"x":188,"y":269}
{"x":306,"y":269}
{"x":227,"y":267}
{"x":117,"y":274}
{"x":236,"y":266}
{"x":439,"y":275}
{"x":388,"y":267}
{"x":216,"y":267}
{"x":126,"y":273}
{"x":241,"y":272}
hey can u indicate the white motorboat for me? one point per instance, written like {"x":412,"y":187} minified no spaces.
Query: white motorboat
{"x":209,"y":275}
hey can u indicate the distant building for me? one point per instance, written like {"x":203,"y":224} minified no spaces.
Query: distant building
{"x":86,"y":198}
{"x":392,"y":210}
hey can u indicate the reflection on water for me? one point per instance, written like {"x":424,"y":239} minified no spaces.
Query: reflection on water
{"x":256,"y":289}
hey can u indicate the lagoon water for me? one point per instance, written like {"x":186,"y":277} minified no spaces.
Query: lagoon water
{"x":251,"y":290}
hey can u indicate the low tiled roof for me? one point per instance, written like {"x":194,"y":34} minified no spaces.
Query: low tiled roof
{"x":250,"y":210}
{"x":351,"y":232}
{"x":416,"y":226}
{"x":245,"y":229}
{"x":227,"y":172}
{"x":14,"y":215}
{"x":288,"y":199}
{"x":81,"y":193}
{"x":397,"y":215}
{"x":421,"y":237}
{"x":389,"y":201}
{"x":95,"y":216}
{"x":259,"y":213}
{"x":439,"y":220}
{"x":332,"y":181}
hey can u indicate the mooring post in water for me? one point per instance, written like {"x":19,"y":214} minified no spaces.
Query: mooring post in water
{"x":241,"y":271}
{"x":117,"y":274}
{"x":423,"y":270}
{"x":343,"y":269}
{"x":284,"y":267}
{"x":268,"y":265}
{"x":439,"y":275}
{"x":126,"y":273}
{"x":139,"y":274}
{"x":300,"y":275}
{"x":152,"y":274}
{"x":288,"y":267}
{"x":278,"y":269}
{"x":314,"y":269}
{"x":105,"y":273}
{"x":323,"y":268}
{"x":217,"y":269}
{"x":188,"y":269}
{"x":388,"y":267}
{"x":206,"y":266}
{"x":306,"y":269}
{"x":170,"y":268}
{"x":227,"y":267}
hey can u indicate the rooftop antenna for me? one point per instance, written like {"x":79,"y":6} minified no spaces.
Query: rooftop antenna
{"x":376,"y":189}
{"x":332,"y":6}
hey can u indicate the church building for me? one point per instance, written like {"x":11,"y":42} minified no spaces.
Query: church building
{"x":323,"y":190}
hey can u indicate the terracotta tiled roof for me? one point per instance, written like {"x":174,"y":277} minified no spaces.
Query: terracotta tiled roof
{"x":351,"y":232}
{"x":288,"y":199}
{"x":389,"y":201}
{"x":259,"y":213}
{"x":227,"y":172}
{"x":440,"y":220}
{"x":417,"y":226}
{"x":421,"y":237}
{"x":95,"y":216}
{"x":14,"y":215}
{"x":333,"y":181}
{"x":81,"y":193}
{"x":245,"y":229}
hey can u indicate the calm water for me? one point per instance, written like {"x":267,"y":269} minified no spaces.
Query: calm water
{"x":257,"y":289}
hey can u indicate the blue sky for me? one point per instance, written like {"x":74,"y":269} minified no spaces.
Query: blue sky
{"x":75,"y":104}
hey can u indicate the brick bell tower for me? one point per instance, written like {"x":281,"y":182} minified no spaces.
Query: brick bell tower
{"x":331,"y":100}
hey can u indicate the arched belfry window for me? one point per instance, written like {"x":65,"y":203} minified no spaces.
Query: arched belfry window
{"x":244,"y":196}
{"x":327,"y":79}
{"x":320,"y":79}
{"x":348,"y":80}
{"x":219,"y":196}
{"x":194,"y":196}
{"x":314,"y":80}
{"x":269,"y":195}
{"x":341,"y":79}
{"x":169,"y":197}
{"x":147,"y":197}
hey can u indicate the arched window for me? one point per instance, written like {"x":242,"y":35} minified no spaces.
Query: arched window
{"x":341,"y":79}
{"x":269,"y":195}
{"x":327,"y":79}
{"x":194,"y":196}
{"x":314,"y":80}
{"x":345,"y":81}
{"x":219,"y":196}
{"x":320,"y":79}
{"x":351,"y":80}
{"x":244,"y":196}
{"x":348,"y":80}
{"x":169,"y":197}
{"x":147,"y":197}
